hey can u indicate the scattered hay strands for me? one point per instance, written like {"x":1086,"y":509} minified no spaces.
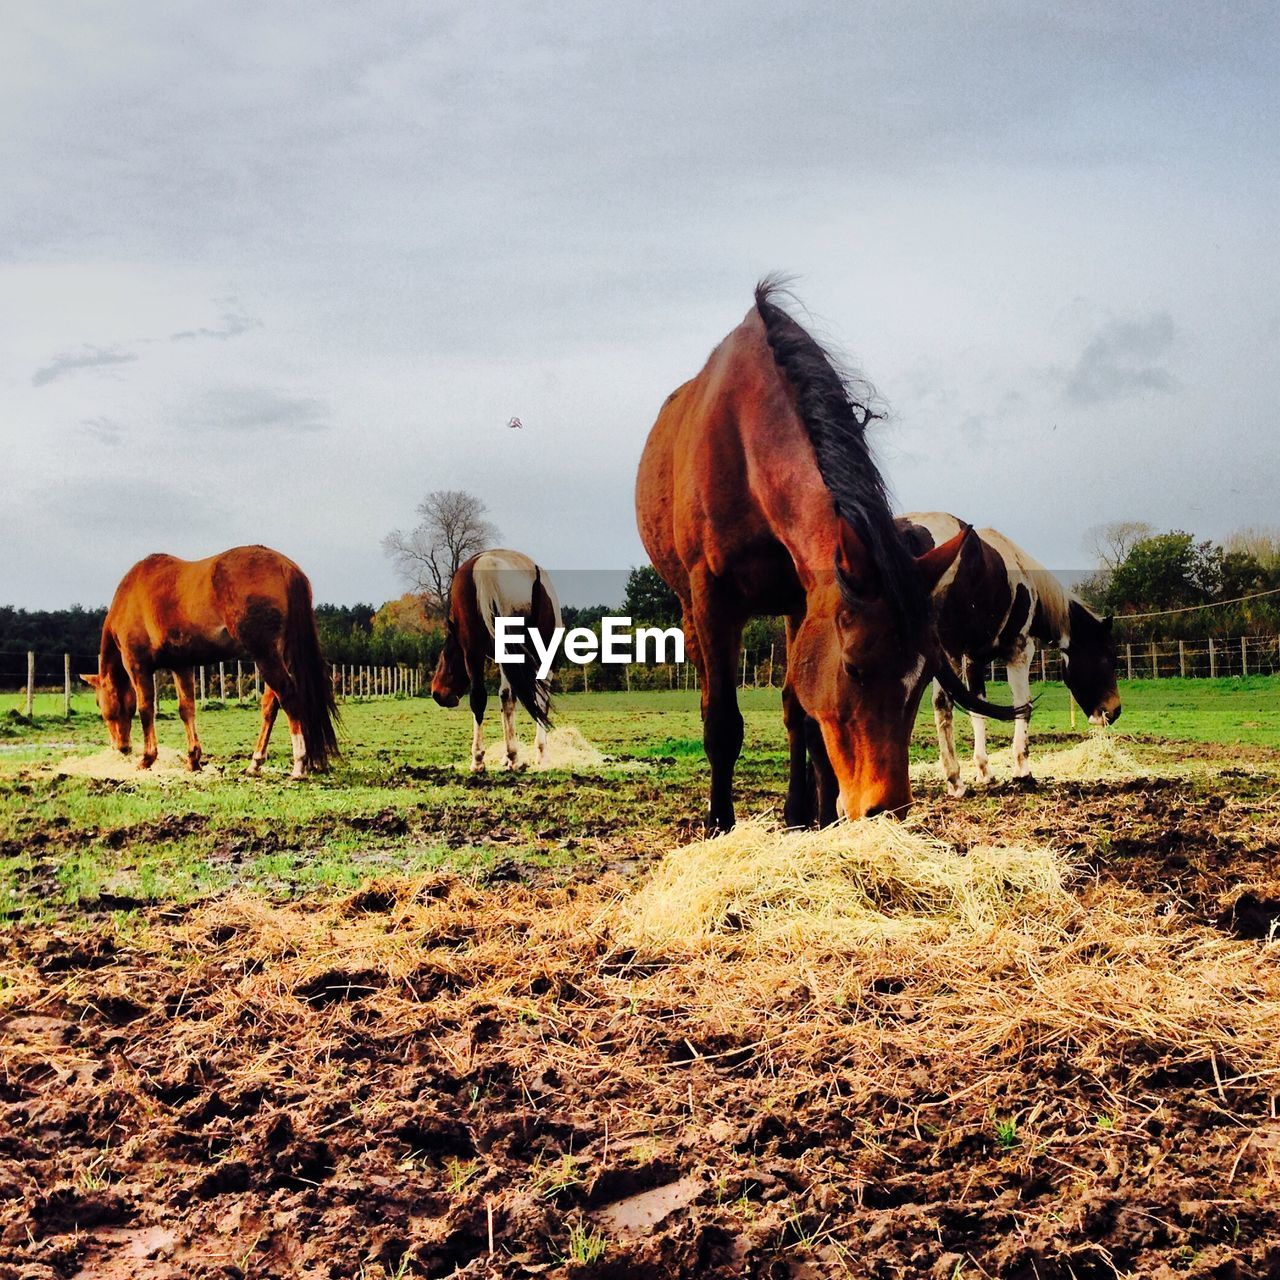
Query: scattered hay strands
{"x":840,"y":887}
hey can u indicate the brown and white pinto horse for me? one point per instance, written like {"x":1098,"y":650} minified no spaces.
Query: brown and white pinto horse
{"x":998,"y":605}
{"x":497,"y":584}
{"x":757,"y":495}
{"x":171,"y":614}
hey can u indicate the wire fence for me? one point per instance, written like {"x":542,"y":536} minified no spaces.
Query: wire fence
{"x":26,"y":673}
{"x":238,"y":682}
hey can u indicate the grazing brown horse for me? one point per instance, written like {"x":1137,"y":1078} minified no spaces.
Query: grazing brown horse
{"x":999,"y":604}
{"x":175,"y":614}
{"x":757,"y":495}
{"x":497,"y":584}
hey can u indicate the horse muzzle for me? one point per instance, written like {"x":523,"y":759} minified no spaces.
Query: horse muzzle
{"x":1106,"y":714}
{"x":445,"y":699}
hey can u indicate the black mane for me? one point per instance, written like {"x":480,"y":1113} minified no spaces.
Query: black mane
{"x":837,"y":424}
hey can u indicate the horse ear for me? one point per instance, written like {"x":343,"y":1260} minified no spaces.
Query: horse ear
{"x":935,"y":562}
{"x":93,"y":679}
{"x":853,"y":566}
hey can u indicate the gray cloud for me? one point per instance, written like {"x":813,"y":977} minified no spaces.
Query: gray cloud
{"x":259,"y":409}
{"x":88,"y":357}
{"x":455,"y":212}
{"x":1123,"y":357}
{"x":232,"y":326}
{"x":102,"y":430}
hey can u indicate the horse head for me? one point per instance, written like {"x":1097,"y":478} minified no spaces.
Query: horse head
{"x":1089,"y":656}
{"x":116,"y":701}
{"x":860,"y":674}
{"x":450,"y":680}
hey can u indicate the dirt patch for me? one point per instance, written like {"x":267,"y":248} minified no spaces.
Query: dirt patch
{"x":371,"y":1086}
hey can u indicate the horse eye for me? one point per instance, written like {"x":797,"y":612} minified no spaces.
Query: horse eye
{"x":854,"y":673}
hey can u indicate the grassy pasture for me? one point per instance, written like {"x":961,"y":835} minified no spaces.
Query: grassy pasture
{"x":400,"y":799}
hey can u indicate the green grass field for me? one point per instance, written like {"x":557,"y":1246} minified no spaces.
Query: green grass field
{"x":401,"y":800}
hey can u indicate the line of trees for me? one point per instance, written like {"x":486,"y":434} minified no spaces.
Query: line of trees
{"x":1145,"y":571}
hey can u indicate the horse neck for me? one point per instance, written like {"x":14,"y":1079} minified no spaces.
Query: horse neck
{"x":110,"y":662}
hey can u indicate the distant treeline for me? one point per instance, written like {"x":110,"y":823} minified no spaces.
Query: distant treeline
{"x":1165,"y":572}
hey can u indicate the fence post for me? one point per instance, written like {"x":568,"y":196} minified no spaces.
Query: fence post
{"x":1213,"y":661}
{"x":202,"y":695}
{"x":1155,"y":662}
{"x":1244,"y":655}
{"x":66,"y":686}
{"x":155,"y":690}
{"x":31,"y":683}
{"x":1128,"y":660}
{"x":586,"y":684}
{"x":1044,"y":668}
{"x":222,"y":682}
{"x":1182,"y":659}
{"x":239,"y":683}
{"x":771,"y":649}
{"x":744,"y":668}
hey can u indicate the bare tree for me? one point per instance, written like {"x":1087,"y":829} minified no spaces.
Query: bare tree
{"x":1259,"y":541}
{"x":1112,"y":542}
{"x":451,"y":528}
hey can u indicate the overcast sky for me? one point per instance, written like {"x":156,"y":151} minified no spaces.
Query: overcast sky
{"x":270,"y":273}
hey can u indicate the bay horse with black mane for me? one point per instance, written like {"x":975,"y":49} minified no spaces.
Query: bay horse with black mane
{"x":757,"y":495}
{"x":497,"y":584}
{"x":997,"y":606}
{"x":171,"y":614}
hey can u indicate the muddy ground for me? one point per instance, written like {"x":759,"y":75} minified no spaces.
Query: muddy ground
{"x":460,"y":1077}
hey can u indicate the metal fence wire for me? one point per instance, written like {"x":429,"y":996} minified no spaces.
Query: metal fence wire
{"x":240,"y":682}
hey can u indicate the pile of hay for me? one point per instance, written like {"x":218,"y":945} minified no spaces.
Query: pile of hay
{"x":170,"y":765}
{"x":837,"y":888}
{"x":566,"y":749}
{"x":1097,"y":758}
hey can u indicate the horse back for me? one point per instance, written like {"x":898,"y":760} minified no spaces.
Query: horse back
{"x":182,"y":611}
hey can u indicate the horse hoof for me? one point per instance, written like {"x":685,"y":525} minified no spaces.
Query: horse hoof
{"x":146,"y":762}
{"x":956,"y":790}
{"x":193,"y":764}
{"x":1025,"y":782}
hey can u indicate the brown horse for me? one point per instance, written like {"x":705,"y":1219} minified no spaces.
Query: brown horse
{"x":496,"y":584}
{"x":176,"y":614}
{"x":757,"y":495}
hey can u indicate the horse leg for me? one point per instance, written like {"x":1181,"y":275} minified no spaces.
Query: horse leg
{"x":826,"y":790}
{"x":540,"y":742}
{"x":719,"y":633}
{"x":479,"y":697}
{"x":508,"y":701}
{"x":277,"y":677}
{"x":978,"y":685}
{"x":798,"y":809}
{"x":185,"y":683}
{"x":944,"y":719}
{"x":1020,"y":690}
{"x":270,"y":707}
{"x":144,"y":688}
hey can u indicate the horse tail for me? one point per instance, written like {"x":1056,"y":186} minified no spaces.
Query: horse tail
{"x":534,"y":695}
{"x":318,"y":710}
